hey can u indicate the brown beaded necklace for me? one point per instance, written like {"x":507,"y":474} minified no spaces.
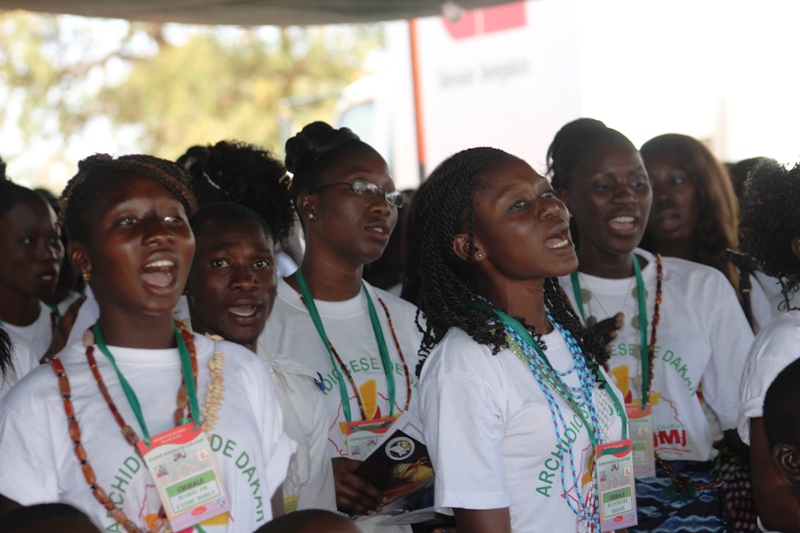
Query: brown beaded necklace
{"x":349,"y":376}
{"x":127,"y":432}
{"x":681,"y":482}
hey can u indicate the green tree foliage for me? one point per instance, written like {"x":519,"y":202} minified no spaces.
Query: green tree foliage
{"x":174,"y":86}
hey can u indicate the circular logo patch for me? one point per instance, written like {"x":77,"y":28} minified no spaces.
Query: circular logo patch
{"x":399,"y":448}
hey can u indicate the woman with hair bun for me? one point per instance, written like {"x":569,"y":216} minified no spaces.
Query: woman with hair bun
{"x":362,"y":340}
{"x":246,"y":174}
{"x":81,"y":429}
{"x":681,"y":327}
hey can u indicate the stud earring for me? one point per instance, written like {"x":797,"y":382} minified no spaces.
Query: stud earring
{"x":86,"y":275}
{"x":311,"y":215}
{"x":479,"y":255}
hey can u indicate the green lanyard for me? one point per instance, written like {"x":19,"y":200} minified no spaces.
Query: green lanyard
{"x":560,"y":387}
{"x":53,"y":309}
{"x":641,"y":297}
{"x":376,"y":327}
{"x":188,"y":379}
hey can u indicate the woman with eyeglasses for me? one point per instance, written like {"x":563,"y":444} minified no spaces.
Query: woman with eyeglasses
{"x":362,"y":340}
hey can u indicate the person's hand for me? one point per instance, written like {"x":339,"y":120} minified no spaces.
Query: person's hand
{"x":354,"y":494}
{"x":62,"y":330}
{"x":608,"y":329}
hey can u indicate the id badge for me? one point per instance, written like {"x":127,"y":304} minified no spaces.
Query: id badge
{"x":186,"y":475}
{"x":641,"y":424}
{"x":616,"y":485}
{"x":362,"y":436}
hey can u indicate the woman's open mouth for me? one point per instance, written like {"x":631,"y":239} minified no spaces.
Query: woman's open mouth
{"x":159,"y":273}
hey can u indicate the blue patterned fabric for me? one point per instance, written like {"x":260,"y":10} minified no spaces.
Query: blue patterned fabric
{"x":663,"y":511}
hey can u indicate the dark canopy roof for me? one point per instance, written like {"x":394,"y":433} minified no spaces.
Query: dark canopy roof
{"x":245,"y":12}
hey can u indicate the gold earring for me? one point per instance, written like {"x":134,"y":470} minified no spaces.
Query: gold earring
{"x":310,"y":215}
{"x":86,"y":275}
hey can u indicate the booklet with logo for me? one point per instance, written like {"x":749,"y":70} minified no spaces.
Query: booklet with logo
{"x":399,"y":466}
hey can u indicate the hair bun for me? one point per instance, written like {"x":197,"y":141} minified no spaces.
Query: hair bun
{"x":314,"y":141}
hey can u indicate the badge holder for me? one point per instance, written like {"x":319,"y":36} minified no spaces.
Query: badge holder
{"x":186,"y":475}
{"x":616,"y":485}
{"x":362,"y":436}
{"x":641,"y":424}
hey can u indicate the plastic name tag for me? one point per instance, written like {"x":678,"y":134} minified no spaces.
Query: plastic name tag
{"x":186,"y":475}
{"x":641,"y":424}
{"x":362,"y":436}
{"x":616,"y":485}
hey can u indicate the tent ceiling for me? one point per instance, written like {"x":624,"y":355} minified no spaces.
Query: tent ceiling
{"x":245,"y":12}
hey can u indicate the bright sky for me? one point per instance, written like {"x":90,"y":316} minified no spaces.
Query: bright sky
{"x":722,"y":71}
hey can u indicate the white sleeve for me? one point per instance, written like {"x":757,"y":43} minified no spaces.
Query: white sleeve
{"x":773,"y":350}
{"x":730,"y":338}
{"x":27,"y":470}
{"x":463,"y":426}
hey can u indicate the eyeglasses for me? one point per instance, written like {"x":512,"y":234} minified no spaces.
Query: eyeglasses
{"x":367,"y":189}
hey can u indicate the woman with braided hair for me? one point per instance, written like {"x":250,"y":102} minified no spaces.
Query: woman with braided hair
{"x":679,"y":326}
{"x":513,"y":395}
{"x":88,"y":428}
{"x":770,"y":232}
{"x":363,"y":341}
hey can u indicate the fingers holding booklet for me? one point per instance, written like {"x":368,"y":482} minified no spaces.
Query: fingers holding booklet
{"x":399,"y":467}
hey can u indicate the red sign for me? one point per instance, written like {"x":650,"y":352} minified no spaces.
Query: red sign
{"x":487,"y":20}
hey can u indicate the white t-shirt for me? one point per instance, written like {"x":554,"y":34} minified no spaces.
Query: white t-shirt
{"x":702,"y":337}
{"x":492,"y":439}
{"x":39,"y":464}
{"x":23,"y":361}
{"x":775,"y":348}
{"x":766,"y":298}
{"x":39,"y":334}
{"x":309,"y":484}
{"x":290,"y":331}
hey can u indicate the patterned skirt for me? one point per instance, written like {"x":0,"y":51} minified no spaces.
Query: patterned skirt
{"x":662,"y":510}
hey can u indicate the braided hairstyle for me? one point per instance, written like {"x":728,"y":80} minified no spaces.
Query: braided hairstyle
{"x":443,"y":285}
{"x":771,"y":219}
{"x":95,"y":173}
{"x":573,"y":142}
{"x":718,"y":209}
{"x":233,"y":171}
{"x":310,"y":152}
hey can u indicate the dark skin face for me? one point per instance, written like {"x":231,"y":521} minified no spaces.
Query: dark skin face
{"x":676,"y":211}
{"x":521,"y":237}
{"x":345,"y":231}
{"x":139,"y":253}
{"x":609,"y":194}
{"x":233,"y":281}
{"x":32,"y":254}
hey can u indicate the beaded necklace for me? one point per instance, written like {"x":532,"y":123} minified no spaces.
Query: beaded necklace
{"x":212,"y":403}
{"x":337,"y":361}
{"x":580,"y":400}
